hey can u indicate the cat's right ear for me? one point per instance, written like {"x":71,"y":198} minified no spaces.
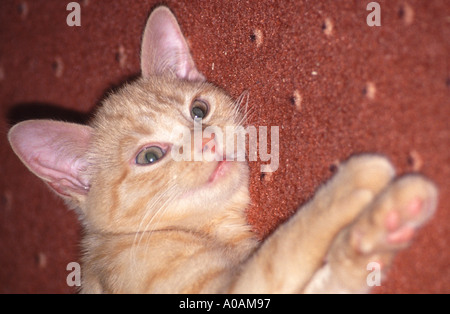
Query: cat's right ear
{"x":56,"y":153}
{"x":164,"y":48}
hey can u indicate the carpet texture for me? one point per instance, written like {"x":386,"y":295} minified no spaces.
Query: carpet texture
{"x":333,"y":85}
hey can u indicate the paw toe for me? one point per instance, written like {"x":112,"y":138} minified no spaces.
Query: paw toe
{"x":393,"y":218}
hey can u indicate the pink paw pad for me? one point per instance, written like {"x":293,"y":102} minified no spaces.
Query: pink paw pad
{"x":414,"y":208}
{"x":392,"y":221}
{"x":401,"y":236}
{"x":401,"y":229}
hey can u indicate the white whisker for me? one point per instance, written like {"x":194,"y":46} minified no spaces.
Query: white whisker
{"x":154,"y":202}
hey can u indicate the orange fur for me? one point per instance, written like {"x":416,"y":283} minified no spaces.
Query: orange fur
{"x":166,"y":228}
{"x":145,"y":202}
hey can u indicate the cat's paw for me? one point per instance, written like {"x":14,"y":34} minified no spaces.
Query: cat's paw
{"x":391,"y":220}
{"x":386,"y":224}
{"x":368,"y":172}
{"x":355,"y":185}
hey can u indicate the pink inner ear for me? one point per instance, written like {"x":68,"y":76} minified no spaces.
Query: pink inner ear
{"x":55,"y":152}
{"x":164,"y":49}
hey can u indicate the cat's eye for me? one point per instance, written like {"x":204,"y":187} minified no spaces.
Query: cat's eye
{"x":149,"y":155}
{"x":199,"y":109}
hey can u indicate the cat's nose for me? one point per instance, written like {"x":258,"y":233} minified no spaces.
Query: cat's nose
{"x":209,"y":144}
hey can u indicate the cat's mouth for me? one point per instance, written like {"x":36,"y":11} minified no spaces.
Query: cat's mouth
{"x":221,"y":170}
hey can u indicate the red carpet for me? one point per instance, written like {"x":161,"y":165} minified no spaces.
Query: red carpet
{"x":334,"y":86}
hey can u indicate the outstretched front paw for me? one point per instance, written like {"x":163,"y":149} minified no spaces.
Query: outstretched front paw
{"x":393,"y":217}
{"x":386,"y":225}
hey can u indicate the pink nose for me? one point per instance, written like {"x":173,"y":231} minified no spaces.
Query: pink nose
{"x":209,"y":143}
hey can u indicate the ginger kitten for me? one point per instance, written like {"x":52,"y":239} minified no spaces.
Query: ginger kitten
{"x":155,"y":223}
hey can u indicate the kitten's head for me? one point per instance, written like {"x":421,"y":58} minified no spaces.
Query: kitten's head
{"x":141,"y":163}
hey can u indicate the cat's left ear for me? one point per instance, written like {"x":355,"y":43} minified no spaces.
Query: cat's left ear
{"x":164,"y":49}
{"x":56,"y":153}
